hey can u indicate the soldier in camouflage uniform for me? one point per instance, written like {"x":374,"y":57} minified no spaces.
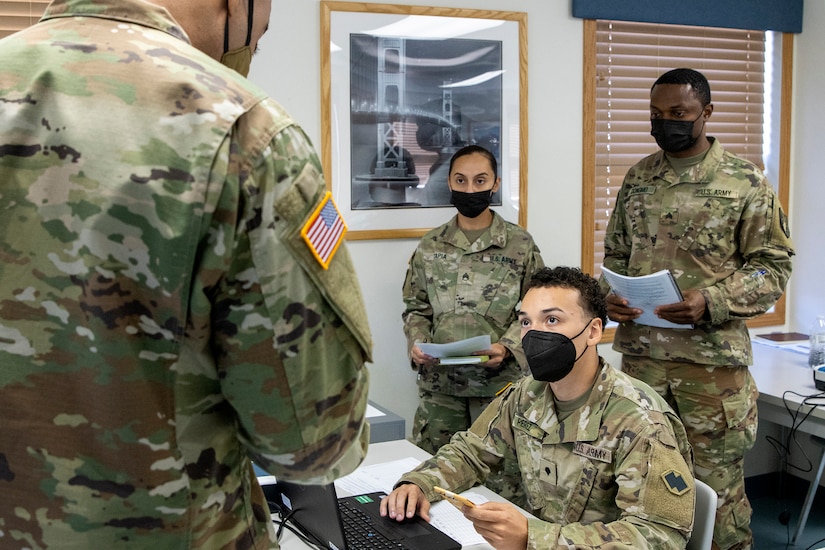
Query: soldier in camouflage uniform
{"x":464,"y":280}
{"x":603,"y":460}
{"x":713,"y":219}
{"x":162,"y":320}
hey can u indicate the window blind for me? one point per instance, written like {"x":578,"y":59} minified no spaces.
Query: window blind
{"x":630,"y":57}
{"x":18,"y":14}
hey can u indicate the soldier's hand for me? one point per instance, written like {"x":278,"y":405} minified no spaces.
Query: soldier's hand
{"x":618,"y":309}
{"x":689,"y":310}
{"x":497,"y":353}
{"x":422,"y":359}
{"x":501,"y":525}
{"x":404,"y":502}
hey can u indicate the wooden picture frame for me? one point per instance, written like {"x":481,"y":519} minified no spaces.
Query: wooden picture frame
{"x":404,"y":87}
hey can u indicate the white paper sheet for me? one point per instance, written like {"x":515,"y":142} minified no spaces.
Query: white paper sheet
{"x":455,"y":349}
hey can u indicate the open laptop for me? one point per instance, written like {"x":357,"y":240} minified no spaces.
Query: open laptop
{"x":352,"y":523}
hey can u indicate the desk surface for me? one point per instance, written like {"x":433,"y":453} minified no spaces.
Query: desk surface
{"x":385,"y":452}
{"x":778,"y":371}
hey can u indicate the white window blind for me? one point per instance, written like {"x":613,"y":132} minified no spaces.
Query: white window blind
{"x":18,"y":14}
{"x":630,"y":57}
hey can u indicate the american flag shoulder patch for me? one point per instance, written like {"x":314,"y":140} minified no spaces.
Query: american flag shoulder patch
{"x":324,"y":231}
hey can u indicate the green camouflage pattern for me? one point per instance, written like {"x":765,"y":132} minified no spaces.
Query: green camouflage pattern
{"x":614,"y":473}
{"x":719,"y":410}
{"x":162,"y":323}
{"x":720,"y":229}
{"x":455,"y":289}
{"x":439,"y":416}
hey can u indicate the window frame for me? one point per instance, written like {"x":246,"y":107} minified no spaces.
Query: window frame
{"x":772,"y":318}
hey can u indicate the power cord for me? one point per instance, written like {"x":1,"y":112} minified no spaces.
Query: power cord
{"x":284,"y":521}
{"x":783,"y":449}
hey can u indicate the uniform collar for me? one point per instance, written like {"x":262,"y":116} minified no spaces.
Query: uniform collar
{"x":128,"y":11}
{"x":704,"y":172}
{"x":495,"y":235}
{"x":582,"y":425}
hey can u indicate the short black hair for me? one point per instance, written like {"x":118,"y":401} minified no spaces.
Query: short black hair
{"x":694,"y":79}
{"x":469,"y":150}
{"x":591,"y":298}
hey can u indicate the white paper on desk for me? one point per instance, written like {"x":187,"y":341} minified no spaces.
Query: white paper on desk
{"x":802,"y":348}
{"x":646,"y":292}
{"x":377,"y":477}
{"x":451,"y":521}
{"x":456,"y":349}
{"x":373,"y":412}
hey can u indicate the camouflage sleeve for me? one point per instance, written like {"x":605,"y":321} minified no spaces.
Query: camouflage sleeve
{"x":289,"y":338}
{"x":765,"y":245}
{"x":617,"y":243}
{"x":488,"y":446}
{"x":418,"y":312}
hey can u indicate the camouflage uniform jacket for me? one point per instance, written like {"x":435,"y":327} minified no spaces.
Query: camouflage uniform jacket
{"x":161,"y":322}
{"x":617,"y":472}
{"x":455,"y":289}
{"x":719,"y":228}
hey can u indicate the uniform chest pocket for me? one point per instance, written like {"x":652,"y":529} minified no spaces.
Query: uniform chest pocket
{"x":567,"y":488}
{"x":710,"y":235}
{"x":494,"y":289}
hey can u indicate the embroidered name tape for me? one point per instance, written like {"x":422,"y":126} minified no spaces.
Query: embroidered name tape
{"x":324,"y":231}
{"x":596,"y":453}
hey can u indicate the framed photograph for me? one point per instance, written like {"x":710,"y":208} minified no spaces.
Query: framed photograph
{"x":405,"y":87}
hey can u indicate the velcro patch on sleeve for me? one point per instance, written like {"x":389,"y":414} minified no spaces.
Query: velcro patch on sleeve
{"x":669,"y":489}
{"x":324,"y":231}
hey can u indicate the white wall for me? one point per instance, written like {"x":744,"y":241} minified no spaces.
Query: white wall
{"x":807,"y":293}
{"x":288,"y":67}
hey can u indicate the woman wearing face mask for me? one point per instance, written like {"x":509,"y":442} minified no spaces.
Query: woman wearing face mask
{"x":464,"y":280}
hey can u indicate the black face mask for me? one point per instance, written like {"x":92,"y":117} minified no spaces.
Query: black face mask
{"x":471,"y":205}
{"x":673,"y":136}
{"x":550,"y":355}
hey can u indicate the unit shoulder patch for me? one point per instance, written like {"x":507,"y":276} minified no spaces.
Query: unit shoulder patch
{"x":675,"y":482}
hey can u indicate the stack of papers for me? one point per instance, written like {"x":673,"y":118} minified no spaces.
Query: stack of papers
{"x":647,"y":292}
{"x":459,"y":353}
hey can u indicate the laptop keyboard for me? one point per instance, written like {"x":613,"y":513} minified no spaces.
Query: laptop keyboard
{"x":360,"y":532}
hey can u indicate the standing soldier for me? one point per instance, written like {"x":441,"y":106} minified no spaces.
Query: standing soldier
{"x":714,"y":221}
{"x":465,"y":279}
{"x":168,"y":312}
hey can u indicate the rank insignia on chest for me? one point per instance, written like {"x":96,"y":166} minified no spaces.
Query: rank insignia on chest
{"x":675,"y":482}
{"x":324,"y":231}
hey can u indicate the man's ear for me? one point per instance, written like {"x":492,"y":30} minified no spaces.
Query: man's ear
{"x":596,"y":330}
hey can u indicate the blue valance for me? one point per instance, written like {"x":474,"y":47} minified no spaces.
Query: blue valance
{"x":765,"y":15}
